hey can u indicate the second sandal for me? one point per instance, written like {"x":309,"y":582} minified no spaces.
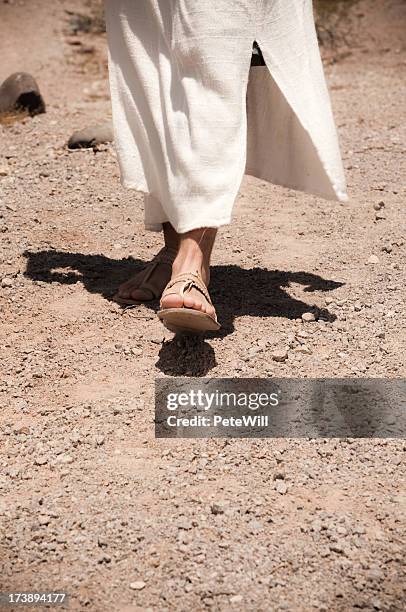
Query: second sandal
{"x":187,"y":320}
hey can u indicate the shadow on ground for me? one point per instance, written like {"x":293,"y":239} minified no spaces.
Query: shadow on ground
{"x":236,"y":292}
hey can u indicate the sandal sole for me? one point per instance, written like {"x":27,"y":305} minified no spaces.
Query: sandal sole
{"x":128,"y":302}
{"x":187,"y":321}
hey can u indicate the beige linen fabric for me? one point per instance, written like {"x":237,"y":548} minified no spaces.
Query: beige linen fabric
{"x":191,"y":115}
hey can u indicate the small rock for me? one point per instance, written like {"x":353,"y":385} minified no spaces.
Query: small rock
{"x":357,"y":306}
{"x":255,"y":526}
{"x":40,"y":460}
{"x":308,"y":317}
{"x":138,"y":585}
{"x":373,"y":260}
{"x":89,"y":137}
{"x":20,"y":91}
{"x":44,"y":520}
{"x":387,"y":248}
{"x":7,"y":282}
{"x":375,"y":574}
{"x":337,"y":548}
{"x":4,"y":171}
{"x":21,"y":429}
{"x":184,"y":524}
{"x":101,"y":542}
{"x":157,"y":338}
{"x":217,"y":508}
{"x":100,"y":440}
{"x":302,"y":334}
{"x":380,"y":216}
{"x":236,"y":599}
{"x":280,"y":354}
{"x":14,"y":471}
{"x":379,"y":205}
{"x":66,"y":459}
{"x":281,"y":487}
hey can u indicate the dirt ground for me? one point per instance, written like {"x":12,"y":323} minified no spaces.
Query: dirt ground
{"x":90,"y":501}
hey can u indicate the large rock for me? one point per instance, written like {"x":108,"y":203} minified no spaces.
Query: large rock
{"x":91,"y":136}
{"x":20,"y":91}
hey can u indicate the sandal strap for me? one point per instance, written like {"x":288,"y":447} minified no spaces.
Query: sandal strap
{"x":188,"y":280}
{"x":165,"y":256}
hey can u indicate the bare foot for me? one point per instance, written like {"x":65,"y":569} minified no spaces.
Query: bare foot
{"x":150,"y":282}
{"x":193,"y":256}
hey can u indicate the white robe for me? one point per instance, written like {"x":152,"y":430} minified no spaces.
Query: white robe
{"x":191,"y":115}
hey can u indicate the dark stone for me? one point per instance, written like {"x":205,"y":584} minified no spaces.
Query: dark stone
{"x":91,"y":136}
{"x":20,"y":92}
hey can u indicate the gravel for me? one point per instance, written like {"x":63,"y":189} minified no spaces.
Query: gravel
{"x":90,"y":501}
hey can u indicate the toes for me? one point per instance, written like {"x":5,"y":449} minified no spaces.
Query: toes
{"x":125,"y":290}
{"x":190,"y":302}
{"x":124,"y":294}
{"x":194,"y":300}
{"x":172,"y":301}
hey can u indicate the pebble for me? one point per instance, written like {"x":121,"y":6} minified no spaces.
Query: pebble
{"x":40,"y":460}
{"x":308,"y":317}
{"x":379,"y":205}
{"x":236,"y":599}
{"x":91,"y":136}
{"x":302,"y":334}
{"x":255,"y":526}
{"x":217,"y":508}
{"x":281,"y":487}
{"x":138,"y":585}
{"x":373,"y":260}
{"x":380,"y":216}
{"x":337,"y":548}
{"x":21,"y":429}
{"x":7,"y":282}
{"x":157,"y":338}
{"x":280,"y":354}
{"x":185,"y":524}
{"x":4,"y":171}
{"x":14,"y":471}
{"x":66,"y":459}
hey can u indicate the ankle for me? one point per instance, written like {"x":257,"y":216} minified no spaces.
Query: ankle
{"x":171,"y":237}
{"x":188,"y":261}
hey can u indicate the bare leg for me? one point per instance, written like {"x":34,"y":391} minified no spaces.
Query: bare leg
{"x":194,"y":254}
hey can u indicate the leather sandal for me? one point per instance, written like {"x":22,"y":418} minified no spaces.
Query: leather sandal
{"x":149,"y":280}
{"x":187,"y":320}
